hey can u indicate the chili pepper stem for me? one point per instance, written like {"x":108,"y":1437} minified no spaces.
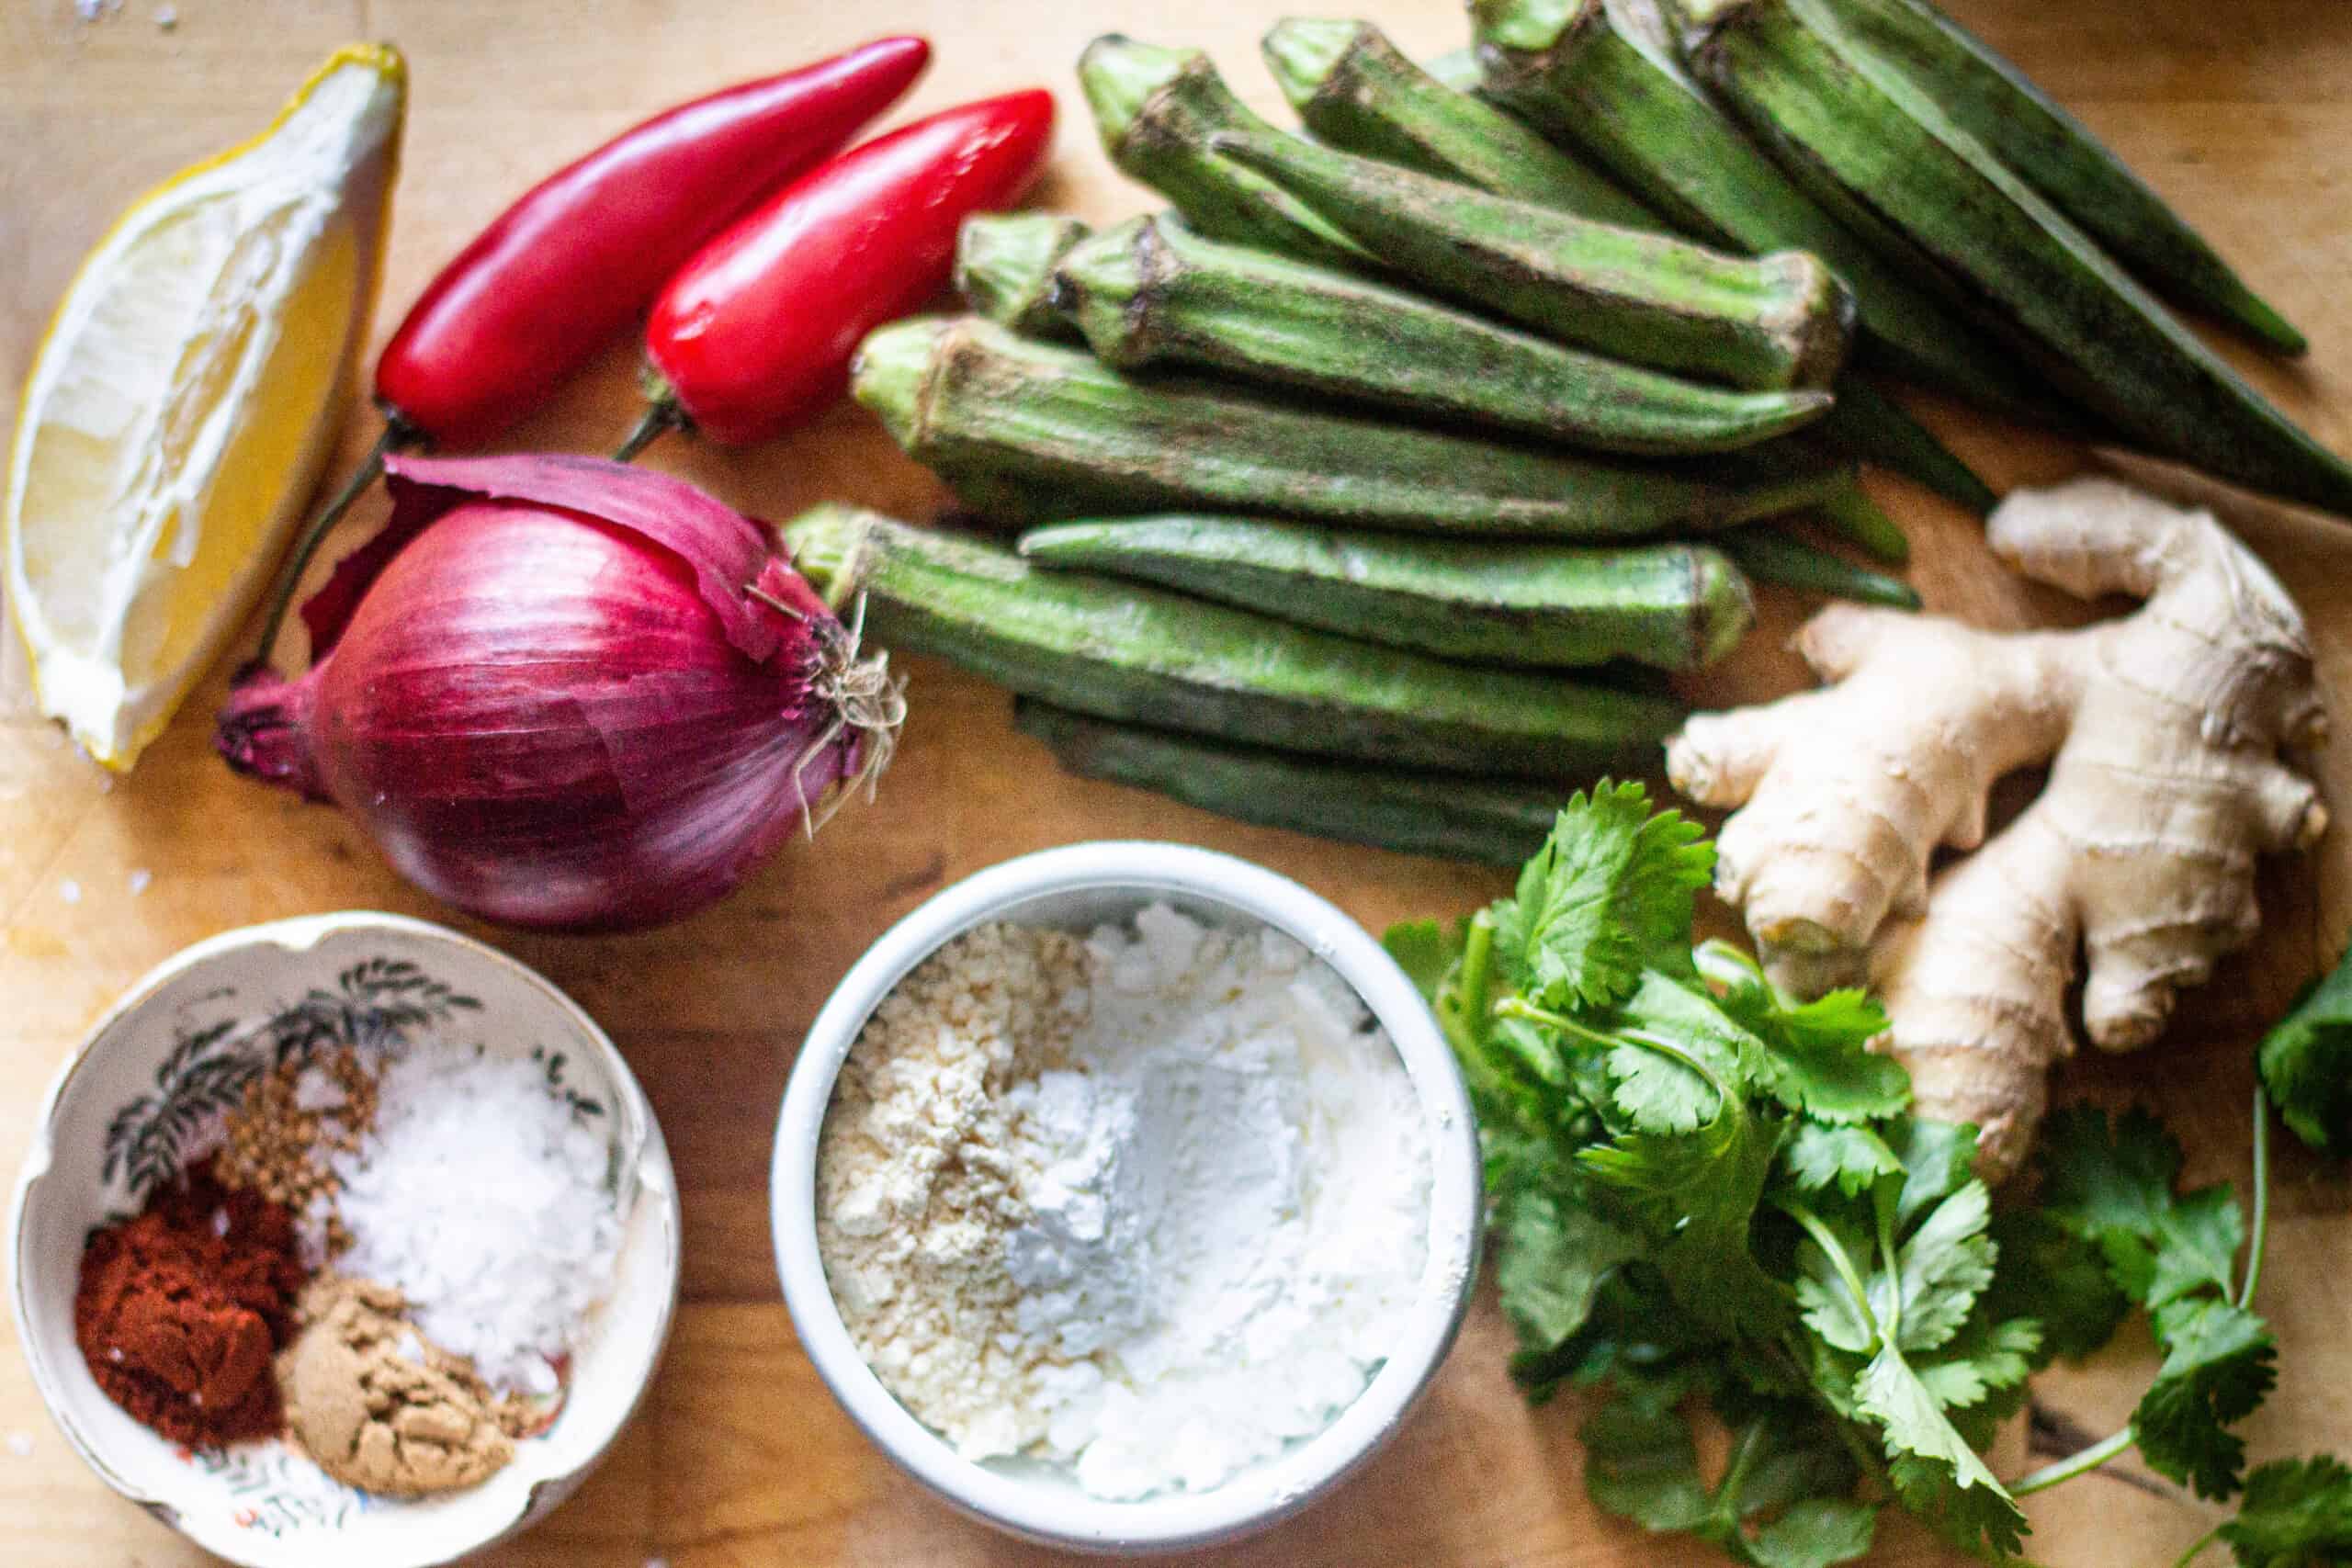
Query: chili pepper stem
{"x":661,"y":416}
{"x":397,"y":433}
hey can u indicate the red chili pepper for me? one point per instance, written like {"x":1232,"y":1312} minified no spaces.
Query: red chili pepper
{"x":565,"y":268}
{"x":758,"y":329}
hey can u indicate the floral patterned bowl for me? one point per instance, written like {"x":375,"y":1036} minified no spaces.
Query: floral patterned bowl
{"x":151,"y":1082}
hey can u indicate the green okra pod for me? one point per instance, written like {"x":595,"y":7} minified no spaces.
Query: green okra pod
{"x":1421,"y":814}
{"x":1122,"y":651}
{"x":1769,"y":321}
{"x":1356,"y":92}
{"x":1151,"y":292}
{"x":1881,"y":432}
{"x":2061,"y":158}
{"x":1458,"y":69}
{"x":1156,"y":109}
{"x":1603,"y":76}
{"x":1853,"y":516}
{"x":1675,"y":606}
{"x":1769,"y":555}
{"x":1026,"y":432}
{"x":1862,"y":134}
{"x":1004,"y":268}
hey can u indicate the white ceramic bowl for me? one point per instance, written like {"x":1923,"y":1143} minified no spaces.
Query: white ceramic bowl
{"x":262,"y":1504}
{"x":1076,"y":889}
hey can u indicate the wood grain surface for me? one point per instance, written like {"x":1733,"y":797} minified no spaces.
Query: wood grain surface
{"x":2240,"y":112}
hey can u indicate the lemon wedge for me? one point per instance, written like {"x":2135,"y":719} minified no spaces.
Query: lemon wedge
{"x":185,"y":399}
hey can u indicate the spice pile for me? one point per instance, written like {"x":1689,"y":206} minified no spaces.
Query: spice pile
{"x":386,"y":1258}
{"x":1151,"y":1205}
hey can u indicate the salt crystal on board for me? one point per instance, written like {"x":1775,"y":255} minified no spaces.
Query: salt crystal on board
{"x":21,"y":1444}
{"x":69,"y":891}
{"x":139,"y":881}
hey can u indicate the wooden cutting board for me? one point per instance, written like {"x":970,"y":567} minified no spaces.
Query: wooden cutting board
{"x":2242,"y":112}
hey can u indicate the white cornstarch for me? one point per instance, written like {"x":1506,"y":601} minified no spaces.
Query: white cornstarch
{"x":480,"y":1194}
{"x":1153,"y":1204}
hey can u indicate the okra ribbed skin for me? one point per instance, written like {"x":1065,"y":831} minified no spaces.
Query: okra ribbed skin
{"x":1122,"y":651}
{"x":1355,"y":91}
{"x":1881,"y":432}
{"x":1152,"y":292}
{"x":1027,"y":432}
{"x":1004,"y":268}
{"x":1603,"y":76}
{"x":2060,"y":157}
{"x":1674,"y":606}
{"x":1420,"y":814}
{"x":1768,"y":321}
{"x":1768,"y":555}
{"x":1156,"y":109}
{"x":1861,"y":132}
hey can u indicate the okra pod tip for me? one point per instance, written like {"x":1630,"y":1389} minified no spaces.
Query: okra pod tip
{"x":891,"y":369}
{"x":1004,"y":265}
{"x":827,"y":545}
{"x":1119,"y":74}
{"x":1302,"y":53}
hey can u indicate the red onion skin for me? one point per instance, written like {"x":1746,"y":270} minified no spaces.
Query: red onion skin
{"x":541,"y":717}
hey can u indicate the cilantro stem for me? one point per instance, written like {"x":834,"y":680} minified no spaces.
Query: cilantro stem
{"x":1478,"y":961}
{"x":1528,"y":1012}
{"x":1891,"y":1334}
{"x":1744,"y":1455}
{"x":2197,"y":1548}
{"x":2261,"y":1198}
{"x":2080,"y":1462}
{"x":1825,"y":1239}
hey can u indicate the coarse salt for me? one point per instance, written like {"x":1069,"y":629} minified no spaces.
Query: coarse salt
{"x":480,"y":1194}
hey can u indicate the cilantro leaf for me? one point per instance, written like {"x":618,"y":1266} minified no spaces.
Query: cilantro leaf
{"x":1934,"y":1469}
{"x":1987,"y":1357}
{"x":2097,"y":1181}
{"x":1610,"y":894}
{"x":1815,"y":1533}
{"x":1656,"y":1090}
{"x":1940,"y":1269}
{"x":1852,"y":1158}
{"x":1696,"y":1193}
{"x":1552,"y":1258}
{"x":1819,"y":1050}
{"x":2219,"y":1365}
{"x":1937,"y":1159}
{"x":2052,"y":1276}
{"x":2197,"y":1237}
{"x":2297,"y":1514}
{"x":1640,"y":1463}
{"x":1826,"y":1289}
{"x":2306,"y":1063}
{"x":1982,"y":1520}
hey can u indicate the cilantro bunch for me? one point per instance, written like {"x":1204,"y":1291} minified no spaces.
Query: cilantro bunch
{"x":1706,"y":1196}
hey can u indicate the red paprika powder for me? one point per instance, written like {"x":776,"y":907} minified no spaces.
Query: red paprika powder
{"x":180,"y":1311}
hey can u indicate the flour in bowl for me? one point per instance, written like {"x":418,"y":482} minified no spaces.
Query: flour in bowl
{"x":1154,"y":1204}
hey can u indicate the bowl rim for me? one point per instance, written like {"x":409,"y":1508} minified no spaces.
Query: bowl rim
{"x":1257,"y":1498}
{"x":656,"y":1178}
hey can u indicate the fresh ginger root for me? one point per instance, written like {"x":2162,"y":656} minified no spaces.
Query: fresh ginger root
{"x":2162,"y":730}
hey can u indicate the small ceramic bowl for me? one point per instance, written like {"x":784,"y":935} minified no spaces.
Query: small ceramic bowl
{"x":1077,"y":890}
{"x":167,"y":1057}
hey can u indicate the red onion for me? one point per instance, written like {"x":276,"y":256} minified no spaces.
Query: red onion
{"x":562,"y":693}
